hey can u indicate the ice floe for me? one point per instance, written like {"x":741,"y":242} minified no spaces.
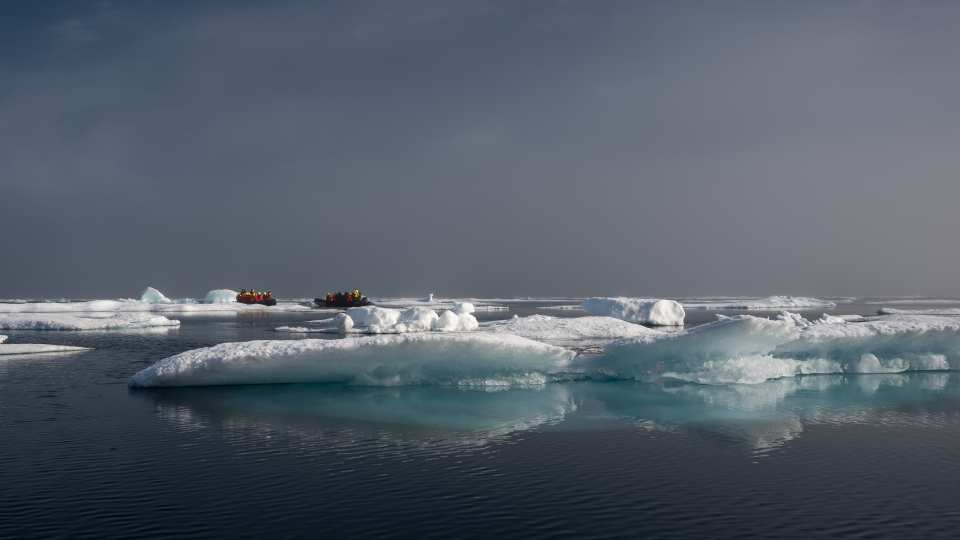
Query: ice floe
{"x":568,"y":330}
{"x":748,"y":349}
{"x":9,"y":349}
{"x":945,"y":312}
{"x":639,"y":310}
{"x":64,"y":321}
{"x":467,"y":359}
{"x":769,"y":303}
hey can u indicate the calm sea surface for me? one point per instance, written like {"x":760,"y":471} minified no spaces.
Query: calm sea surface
{"x":83,"y":456}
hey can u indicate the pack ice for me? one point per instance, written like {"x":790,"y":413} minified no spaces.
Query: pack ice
{"x":639,"y":310}
{"x":152,"y":300}
{"x":468,"y":359}
{"x":748,"y":349}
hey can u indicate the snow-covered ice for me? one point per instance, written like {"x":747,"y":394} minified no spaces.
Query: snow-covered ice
{"x":221,"y":296}
{"x":639,"y":310}
{"x":748,"y":349}
{"x":945,"y":312}
{"x":467,"y":359}
{"x":379,"y":320}
{"x":562,"y":329}
{"x":63,"y":321}
{"x":769,"y":303}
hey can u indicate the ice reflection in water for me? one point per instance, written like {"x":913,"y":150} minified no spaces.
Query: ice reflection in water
{"x":762,"y":417}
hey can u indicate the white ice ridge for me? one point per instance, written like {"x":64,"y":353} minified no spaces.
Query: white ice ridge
{"x":62,"y":321}
{"x":378,"y":320}
{"x":639,"y":310}
{"x":748,"y":349}
{"x":562,"y":329}
{"x":772,"y":303}
{"x":471,"y":359}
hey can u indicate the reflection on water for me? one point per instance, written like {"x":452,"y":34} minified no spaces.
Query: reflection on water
{"x":418,"y":416}
{"x":764,"y":417}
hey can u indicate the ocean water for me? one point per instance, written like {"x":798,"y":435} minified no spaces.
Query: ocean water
{"x":84,"y":456}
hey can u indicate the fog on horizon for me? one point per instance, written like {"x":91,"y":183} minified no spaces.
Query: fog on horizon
{"x":485,"y":148}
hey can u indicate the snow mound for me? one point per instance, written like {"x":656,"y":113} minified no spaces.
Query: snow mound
{"x":221,"y":296}
{"x":478,"y":359}
{"x":638,"y":310}
{"x":153,"y":296}
{"x":36,"y":348}
{"x":747,"y":349}
{"x":60,"y":321}
{"x":450,"y":321}
{"x":3,"y":338}
{"x":546,"y":328}
{"x":771,"y":303}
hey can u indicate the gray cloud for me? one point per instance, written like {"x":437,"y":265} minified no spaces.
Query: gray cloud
{"x":481,"y":148}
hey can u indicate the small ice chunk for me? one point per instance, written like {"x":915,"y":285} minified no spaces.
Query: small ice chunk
{"x":463,"y":307}
{"x":375,"y":319}
{"x":37,"y":348}
{"x":639,"y":310}
{"x":153,"y":296}
{"x":3,"y":338}
{"x":221,"y":296}
{"x":448,"y":321}
{"x":416,"y":319}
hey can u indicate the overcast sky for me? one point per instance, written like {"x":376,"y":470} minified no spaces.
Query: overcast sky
{"x":480,"y":148}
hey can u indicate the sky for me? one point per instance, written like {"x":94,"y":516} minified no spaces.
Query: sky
{"x":485,"y":148}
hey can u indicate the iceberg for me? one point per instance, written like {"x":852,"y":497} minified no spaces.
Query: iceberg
{"x":153,"y":296}
{"x":769,"y":303}
{"x":471,"y":359}
{"x":59,"y":321}
{"x":748,"y":350}
{"x":221,"y":296}
{"x":639,"y":310}
{"x":561,"y":329}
